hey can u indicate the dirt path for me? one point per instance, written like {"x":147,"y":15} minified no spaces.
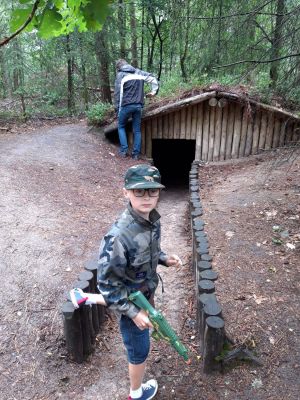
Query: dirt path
{"x":60,"y":191}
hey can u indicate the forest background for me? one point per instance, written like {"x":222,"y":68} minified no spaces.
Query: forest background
{"x":46,"y":72}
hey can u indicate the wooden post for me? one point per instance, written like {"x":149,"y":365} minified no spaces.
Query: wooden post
{"x":224,"y":133}
{"x":197,"y":128}
{"x":165,"y":126}
{"x":188,"y":123}
{"x":85,"y":321}
{"x":243,"y":134}
{"x":202,"y":300}
{"x":159,"y":127}
{"x":263,"y":131}
{"x":289,"y":133}
{"x":229,"y":131}
{"x":176,"y":124}
{"x":211,"y":138}
{"x":296,"y":133}
{"x":249,"y":138}
{"x":154,"y":128}
{"x":195,"y":117}
{"x":236,"y":132}
{"x":143,"y":131}
{"x":282,"y":133}
{"x":73,"y":332}
{"x":92,"y":267}
{"x":149,"y":140}
{"x":256,"y":129}
{"x":217,"y":141}
{"x":205,"y":139}
{"x":171,"y":126}
{"x":214,"y":336}
{"x":89,"y":276}
{"x":276,"y":135}
{"x":270,"y":131}
{"x":182,"y":123}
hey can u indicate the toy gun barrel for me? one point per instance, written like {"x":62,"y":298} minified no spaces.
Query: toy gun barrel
{"x":162,"y":328}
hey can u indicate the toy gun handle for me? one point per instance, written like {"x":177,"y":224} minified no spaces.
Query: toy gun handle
{"x":162,"y":328}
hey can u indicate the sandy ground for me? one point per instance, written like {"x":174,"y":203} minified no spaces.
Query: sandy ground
{"x":60,"y":191}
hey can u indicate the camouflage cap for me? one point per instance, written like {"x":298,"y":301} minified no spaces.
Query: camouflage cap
{"x":143,"y":176}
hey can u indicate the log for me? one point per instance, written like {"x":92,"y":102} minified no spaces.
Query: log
{"x":89,"y":276}
{"x":188,"y":129}
{"x":282,"y":133}
{"x":236,"y":131}
{"x":205,"y":139}
{"x":249,"y":139}
{"x":211,"y":138}
{"x":159,"y":127}
{"x":217,"y":141}
{"x":73,"y":332}
{"x":165,"y":127}
{"x":148,"y":141}
{"x":229,"y":131}
{"x":182,"y":123}
{"x":263,"y":131}
{"x":222,"y":103}
{"x":205,"y":286}
{"x":276,"y":136}
{"x":195,"y":117}
{"x":176,"y":125}
{"x":199,"y":131}
{"x":256,"y":130}
{"x":209,"y":274}
{"x":270,"y":131}
{"x":243,"y":135}
{"x":171,"y":126}
{"x":202,"y":300}
{"x":289,"y":134}
{"x":154,"y":128}
{"x":214,"y":337}
{"x":143,"y":132}
{"x":224,"y":133}
{"x":85,"y":318}
{"x":296,"y":133}
{"x":93,"y":267}
{"x":213,"y":102}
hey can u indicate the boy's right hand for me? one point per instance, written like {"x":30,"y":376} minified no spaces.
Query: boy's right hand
{"x":142,"y":320}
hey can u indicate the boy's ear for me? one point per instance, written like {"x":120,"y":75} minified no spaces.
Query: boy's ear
{"x":125,"y":192}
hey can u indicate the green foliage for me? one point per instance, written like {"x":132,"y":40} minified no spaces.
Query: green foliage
{"x":61,"y":17}
{"x":98,"y":112}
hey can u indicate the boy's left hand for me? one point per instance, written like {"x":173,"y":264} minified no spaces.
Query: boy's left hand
{"x":174,"y":261}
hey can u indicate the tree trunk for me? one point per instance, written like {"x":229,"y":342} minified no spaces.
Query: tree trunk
{"x":276,"y":43}
{"x":102,"y":53}
{"x":83,"y":76}
{"x":134,"y":55}
{"x":70,"y":62}
{"x":122,"y":28}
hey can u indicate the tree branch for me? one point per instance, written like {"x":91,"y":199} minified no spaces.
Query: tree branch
{"x":4,"y":41}
{"x":257,"y":61}
{"x":263,"y":31}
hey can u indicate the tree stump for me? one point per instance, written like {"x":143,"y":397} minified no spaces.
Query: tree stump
{"x":89,"y":276}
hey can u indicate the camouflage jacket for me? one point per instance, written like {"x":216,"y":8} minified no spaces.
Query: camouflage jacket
{"x":129,"y":255}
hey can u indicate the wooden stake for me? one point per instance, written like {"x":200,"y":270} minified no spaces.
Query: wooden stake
{"x":182,"y":123}
{"x":73,"y":332}
{"x":205,"y":139}
{"x":236,"y":131}
{"x":270,"y":131}
{"x":229,"y":131}
{"x":224,"y":133}
{"x":243,"y":135}
{"x":256,"y":129}
{"x":218,"y":127}
{"x":214,"y":336}
{"x":263,"y":131}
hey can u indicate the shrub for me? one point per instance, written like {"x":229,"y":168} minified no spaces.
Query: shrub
{"x":97,"y":113}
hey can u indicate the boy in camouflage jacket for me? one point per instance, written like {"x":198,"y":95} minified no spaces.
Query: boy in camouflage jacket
{"x":129,"y":255}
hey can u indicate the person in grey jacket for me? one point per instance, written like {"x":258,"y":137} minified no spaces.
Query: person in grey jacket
{"x":129,"y":101}
{"x":129,"y":255}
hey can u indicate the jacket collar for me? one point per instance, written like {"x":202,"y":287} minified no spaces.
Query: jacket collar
{"x":154,"y":216}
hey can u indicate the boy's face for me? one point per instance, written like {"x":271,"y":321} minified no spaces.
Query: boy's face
{"x":143,"y":205}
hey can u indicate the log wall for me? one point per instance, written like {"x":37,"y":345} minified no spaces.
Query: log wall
{"x":222,"y":129}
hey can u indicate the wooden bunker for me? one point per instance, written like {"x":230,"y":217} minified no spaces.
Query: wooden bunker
{"x":223,"y":125}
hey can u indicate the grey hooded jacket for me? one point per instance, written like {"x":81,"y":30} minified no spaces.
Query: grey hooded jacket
{"x":129,"y":86}
{"x":129,"y":255}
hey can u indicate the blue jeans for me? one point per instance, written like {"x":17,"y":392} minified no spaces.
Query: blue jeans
{"x":136,"y":341}
{"x":135,"y":111}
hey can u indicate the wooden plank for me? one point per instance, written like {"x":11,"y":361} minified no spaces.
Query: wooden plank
{"x":263,"y":131}
{"x":165,"y":126}
{"x":149,"y":139}
{"x":194,"y":120}
{"x":199,"y":130}
{"x":229,"y":131}
{"x":188,"y":122}
{"x":243,"y":136}
{"x":276,"y":136}
{"x":143,"y":132}
{"x":205,"y":137}
{"x":211,"y":137}
{"x":270,"y":131}
{"x":159,"y":127}
{"x":256,"y":129}
{"x":217,"y":141}
{"x":249,"y":138}
{"x":176,"y":125}
{"x":182,"y":123}
{"x":236,"y":131}
{"x":296,"y":133}
{"x":224,"y":132}
{"x":289,"y":133}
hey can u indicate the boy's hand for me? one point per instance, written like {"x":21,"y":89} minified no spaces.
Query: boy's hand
{"x":174,"y":261}
{"x":142,"y":320}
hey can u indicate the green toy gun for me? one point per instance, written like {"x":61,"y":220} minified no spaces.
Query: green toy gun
{"x":162,"y":329}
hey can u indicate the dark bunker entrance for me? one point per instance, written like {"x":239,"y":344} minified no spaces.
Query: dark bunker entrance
{"x":173,"y":158}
